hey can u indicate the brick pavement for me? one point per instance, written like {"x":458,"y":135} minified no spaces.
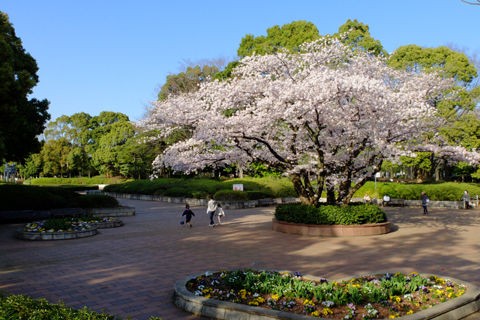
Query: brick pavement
{"x":130,"y":271}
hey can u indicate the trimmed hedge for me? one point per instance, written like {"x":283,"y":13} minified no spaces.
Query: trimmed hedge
{"x":201,"y":188}
{"x":20,"y":197}
{"x":330,"y":214}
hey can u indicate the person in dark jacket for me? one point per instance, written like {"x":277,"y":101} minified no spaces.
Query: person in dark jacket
{"x":188,"y":215}
{"x":425,"y":201}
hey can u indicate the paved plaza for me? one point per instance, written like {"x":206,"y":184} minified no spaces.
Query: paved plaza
{"x":130,"y":271}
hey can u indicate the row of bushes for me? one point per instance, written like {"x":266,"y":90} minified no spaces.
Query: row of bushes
{"x":255,"y":188}
{"x":447,"y":191}
{"x":23,"y":307}
{"x":330,"y":214}
{"x":20,"y":197}
{"x":78,"y":181}
{"x":258,"y":188}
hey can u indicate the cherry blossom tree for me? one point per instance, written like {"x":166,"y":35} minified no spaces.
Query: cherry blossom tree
{"x":327,"y":116}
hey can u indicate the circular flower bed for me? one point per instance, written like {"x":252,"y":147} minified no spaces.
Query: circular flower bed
{"x":376,"y":296}
{"x":66,"y":228}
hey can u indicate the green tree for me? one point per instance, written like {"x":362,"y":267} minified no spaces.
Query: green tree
{"x":289,"y":36}
{"x":21,"y":119}
{"x":462,"y":123}
{"x":54,"y":156}
{"x":75,"y":129}
{"x":187,"y":81}
{"x":442,"y":59}
{"x":106,"y":156}
{"x":32,"y":167}
{"x":357,"y":35}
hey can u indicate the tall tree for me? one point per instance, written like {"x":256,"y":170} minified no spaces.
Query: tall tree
{"x":187,"y":81}
{"x":289,"y":36}
{"x":357,"y":35}
{"x":448,"y":62}
{"x":21,"y":119}
{"x":461,"y":123}
{"x":327,"y":116}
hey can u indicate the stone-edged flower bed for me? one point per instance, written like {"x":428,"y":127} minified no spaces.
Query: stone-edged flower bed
{"x":66,"y":228}
{"x":326,"y":230}
{"x":253,"y":294}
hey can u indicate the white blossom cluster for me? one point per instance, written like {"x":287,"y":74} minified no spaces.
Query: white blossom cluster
{"x":325,"y":111}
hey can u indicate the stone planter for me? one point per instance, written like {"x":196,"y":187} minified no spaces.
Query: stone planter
{"x":331,"y":230}
{"x":25,"y":235}
{"x":109,"y":224}
{"x":458,"y":308}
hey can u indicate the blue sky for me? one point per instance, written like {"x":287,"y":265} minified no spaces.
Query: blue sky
{"x":105,"y":55}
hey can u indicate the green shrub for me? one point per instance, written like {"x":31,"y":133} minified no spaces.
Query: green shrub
{"x":20,"y":197}
{"x":95,"y":201}
{"x":80,"y":181}
{"x":255,"y":195}
{"x":330,"y":214}
{"x":201,"y":187}
{"x":23,"y":307}
{"x":447,"y":191}
{"x":177,"y":192}
{"x":230,"y":195}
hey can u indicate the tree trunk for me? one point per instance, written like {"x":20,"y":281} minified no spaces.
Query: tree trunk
{"x":304,"y":189}
{"x":330,"y":195}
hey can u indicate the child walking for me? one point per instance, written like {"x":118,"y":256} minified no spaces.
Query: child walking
{"x":220,"y":213}
{"x":188,"y":215}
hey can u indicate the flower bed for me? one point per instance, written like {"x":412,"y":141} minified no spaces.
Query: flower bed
{"x":285,"y":295}
{"x":66,"y":228}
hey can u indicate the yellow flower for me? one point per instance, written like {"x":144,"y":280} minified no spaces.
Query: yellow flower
{"x":275,"y":297}
{"x":315,"y":313}
{"x":327,"y":311}
{"x":410,"y":311}
{"x":243,"y":293}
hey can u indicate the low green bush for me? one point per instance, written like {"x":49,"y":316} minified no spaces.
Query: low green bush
{"x":255,"y":188}
{"x":447,"y":191}
{"x":74,"y":181}
{"x":230,"y":195}
{"x":330,"y":214}
{"x":20,"y":197}
{"x":95,"y":201}
{"x":23,"y":307}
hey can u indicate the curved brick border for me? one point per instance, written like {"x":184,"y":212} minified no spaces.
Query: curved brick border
{"x":457,"y":308}
{"x":55,"y":235}
{"x":331,"y":230}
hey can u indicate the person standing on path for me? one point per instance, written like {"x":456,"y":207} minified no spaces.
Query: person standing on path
{"x":188,"y":215}
{"x":466,"y":200}
{"x":211,"y":209}
{"x":425,"y":201}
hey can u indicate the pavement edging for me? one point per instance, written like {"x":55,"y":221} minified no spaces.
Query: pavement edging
{"x":454,"y":309}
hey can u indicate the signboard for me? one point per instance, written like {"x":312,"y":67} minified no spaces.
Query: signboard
{"x":238,"y":187}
